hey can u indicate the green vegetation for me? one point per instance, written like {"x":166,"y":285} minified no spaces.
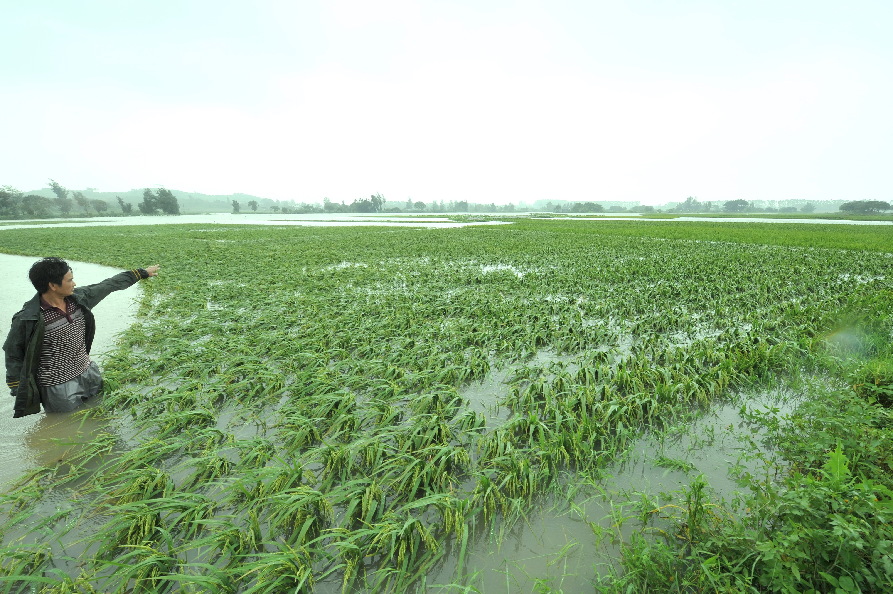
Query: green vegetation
{"x":294,"y":410}
{"x":161,"y":199}
{"x":865,"y":206}
{"x":786,"y":216}
{"x":16,"y":205}
{"x":804,"y":235}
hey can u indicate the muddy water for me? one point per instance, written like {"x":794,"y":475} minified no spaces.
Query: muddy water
{"x":564,"y":546}
{"x":36,"y":440}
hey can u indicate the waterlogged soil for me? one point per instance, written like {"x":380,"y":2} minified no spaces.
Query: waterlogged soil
{"x":38,"y":440}
{"x":562,"y":545}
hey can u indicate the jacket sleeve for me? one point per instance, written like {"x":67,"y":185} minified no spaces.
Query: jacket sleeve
{"x":93,"y":294}
{"x":14,"y":349}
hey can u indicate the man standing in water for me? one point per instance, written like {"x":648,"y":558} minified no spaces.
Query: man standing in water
{"x":48,"y":346}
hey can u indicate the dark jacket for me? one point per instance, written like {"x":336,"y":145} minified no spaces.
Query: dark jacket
{"x":25,"y":339}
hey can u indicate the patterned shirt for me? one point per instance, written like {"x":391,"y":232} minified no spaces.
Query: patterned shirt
{"x":63,"y":355}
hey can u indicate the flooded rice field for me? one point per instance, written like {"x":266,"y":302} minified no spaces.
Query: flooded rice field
{"x":565,"y":540}
{"x":542,"y":406}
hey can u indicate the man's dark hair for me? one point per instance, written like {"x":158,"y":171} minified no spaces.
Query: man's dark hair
{"x":46,"y":271}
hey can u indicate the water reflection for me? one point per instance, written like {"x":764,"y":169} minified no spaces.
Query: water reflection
{"x":30,"y":442}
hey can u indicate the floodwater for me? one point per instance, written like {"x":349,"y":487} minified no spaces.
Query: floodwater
{"x":562,"y":547}
{"x":30,"y":442}
{"x":379,"y":220}
{"x":306,"y":220}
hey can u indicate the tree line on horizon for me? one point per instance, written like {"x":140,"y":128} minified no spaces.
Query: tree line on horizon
{"x":15,"y":204}
{"x":692,"y":205}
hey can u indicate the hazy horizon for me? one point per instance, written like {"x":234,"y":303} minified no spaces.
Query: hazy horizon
{"x":134,"y":195}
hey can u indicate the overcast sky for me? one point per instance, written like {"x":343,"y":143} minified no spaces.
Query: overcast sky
{"x":478,"y":100}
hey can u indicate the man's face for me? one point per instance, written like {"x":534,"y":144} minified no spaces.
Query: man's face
{"x":67,"y":286}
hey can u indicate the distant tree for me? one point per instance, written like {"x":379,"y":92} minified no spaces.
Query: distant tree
{"x":274,"y":208}
{"x":64,"y":205}
{"x":235,"y":207}
{"x":865,"y":207}
{"x":808,"y":208}
{"x":587,"y":207}
{"x":99,"y":205}
{"x":691,"y":204}
{"x":167,"y":202}
{"x":37,"y":206}
{"x":308,"y":208}
{"x":149,"y":205}
{"x":419,"y":205}
{"x":10,"y":202}
{"x":126,"y":207}
{"x":58,"y":190}
{"x":252,"y":204}
{"x":362,"y":205}
{"x":377,"y":202}
{"x":787,"y":209}
{"x":81,"y":201}
{"x":738,"y":205}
